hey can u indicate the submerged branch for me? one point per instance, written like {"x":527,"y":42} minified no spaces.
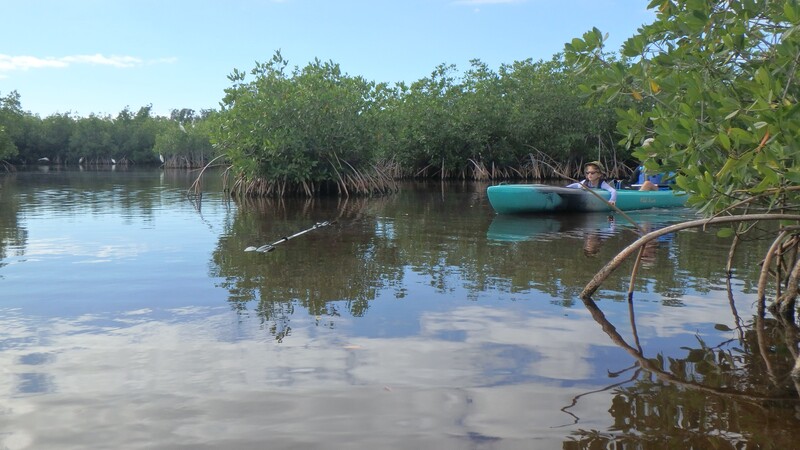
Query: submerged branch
{"x":634,"y":271}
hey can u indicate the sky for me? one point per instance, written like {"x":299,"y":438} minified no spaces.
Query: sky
{"x":101,"y":56}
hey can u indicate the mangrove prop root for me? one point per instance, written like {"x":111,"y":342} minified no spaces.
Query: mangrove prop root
{"x":787,"y":300}
{"x":612,"y":265}
{"x":764,"y":275}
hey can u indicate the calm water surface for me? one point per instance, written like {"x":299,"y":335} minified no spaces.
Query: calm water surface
{"x":131,"y":317}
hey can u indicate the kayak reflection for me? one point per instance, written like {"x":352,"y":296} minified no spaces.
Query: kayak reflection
{"x":598,"y":225}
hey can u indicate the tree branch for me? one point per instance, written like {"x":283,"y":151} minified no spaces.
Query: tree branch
{"x":612,"y":265}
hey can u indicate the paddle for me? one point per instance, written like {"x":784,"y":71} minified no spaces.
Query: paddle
{"x":266,"y":248}
{"x":639,"y":228}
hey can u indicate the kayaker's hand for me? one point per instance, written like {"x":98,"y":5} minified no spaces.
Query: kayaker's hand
{"x":612,"y":203}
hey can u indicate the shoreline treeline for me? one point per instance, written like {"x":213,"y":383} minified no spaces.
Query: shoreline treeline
{"x":128,"y":138}
{"x":317,"y":129}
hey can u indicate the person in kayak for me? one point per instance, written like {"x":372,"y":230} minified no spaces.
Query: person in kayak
{"x":645,"y":181}
{"x":594,"y":179}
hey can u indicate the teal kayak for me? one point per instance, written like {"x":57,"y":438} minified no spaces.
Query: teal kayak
{"x":537,"y":198}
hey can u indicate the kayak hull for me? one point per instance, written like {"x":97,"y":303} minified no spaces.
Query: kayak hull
{"x":537,"y":198}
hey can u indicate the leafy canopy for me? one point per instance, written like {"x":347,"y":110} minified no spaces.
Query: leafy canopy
{"x":10,"y":118}
{"x":295,"y":125}
{"x":715,"y":83}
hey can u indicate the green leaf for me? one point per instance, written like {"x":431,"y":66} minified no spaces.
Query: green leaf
{"x":741,"y":136}
{"x":634,"y":46}
{"x":762,"y":77}
{"x":790,"y":10}
{"x":577,"y":45}
{"x":705,"y":186}
{"x":793,"y":176}
{"x":725,"y":232}
{"x":724,"y":140}
{"x":682,"y":182}
{"x":729,"y":165}
{"x":766,"y":183}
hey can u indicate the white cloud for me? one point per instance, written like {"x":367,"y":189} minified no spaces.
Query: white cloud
{"x":84,"y":252}
{"x":10,"y":63}
{"x":101,"y":60}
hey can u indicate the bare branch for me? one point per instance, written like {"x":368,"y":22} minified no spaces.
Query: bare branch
{"x":609,"y":268}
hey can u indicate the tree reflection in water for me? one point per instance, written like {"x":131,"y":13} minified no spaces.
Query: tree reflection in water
{"x":738,"y":394}
{"x":717,"y":395}
{"x":12,"y":235}
{"x":356,"y":263}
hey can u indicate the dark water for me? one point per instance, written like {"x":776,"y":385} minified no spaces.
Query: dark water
{"x":131,"y":317}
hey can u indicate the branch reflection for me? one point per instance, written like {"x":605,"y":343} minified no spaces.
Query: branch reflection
{"x":680,"y":399}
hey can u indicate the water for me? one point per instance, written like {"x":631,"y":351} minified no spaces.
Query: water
{"x":131,"y":317}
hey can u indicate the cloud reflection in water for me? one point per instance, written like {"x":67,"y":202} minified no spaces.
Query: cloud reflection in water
{"x":209,"y":378}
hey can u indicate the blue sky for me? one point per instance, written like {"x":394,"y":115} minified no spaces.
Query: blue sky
{"x":100,"y":56}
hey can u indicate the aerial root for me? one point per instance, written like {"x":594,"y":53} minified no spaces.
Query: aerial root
{"x":622,"y":256}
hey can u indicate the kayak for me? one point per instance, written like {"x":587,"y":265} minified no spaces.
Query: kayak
{"x":537,"y":198}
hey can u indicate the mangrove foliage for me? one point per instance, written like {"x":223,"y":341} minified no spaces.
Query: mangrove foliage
{"x":312,"y":130}
{"x":317,"y":129}
{"x":181,"y":140}
{"x":715,"y":84}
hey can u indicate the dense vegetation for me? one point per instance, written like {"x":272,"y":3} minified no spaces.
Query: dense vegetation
{"x":317,"y":129}
{"x":128,"y":138}
{"x":716,"y":85}
{"x":306,"y":127}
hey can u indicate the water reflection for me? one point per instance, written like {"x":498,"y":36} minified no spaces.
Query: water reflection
{"x":473,"y":374}
{"x":375,"y":246}
{"x":422,"y":385}
{"x":514,"y":228}
{"x":378,"y":246}
{"x":345,"y":261}
{"x":12,"y":235}
{"x":404,"y":325}
{"x":740,"y":388}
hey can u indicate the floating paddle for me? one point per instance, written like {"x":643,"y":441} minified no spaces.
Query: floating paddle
{"x":266,"y":248}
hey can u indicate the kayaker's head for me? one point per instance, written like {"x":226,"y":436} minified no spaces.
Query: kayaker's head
{"x":593,"y":170}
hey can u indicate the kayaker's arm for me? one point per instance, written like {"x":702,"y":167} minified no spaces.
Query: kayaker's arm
{"x":613,"y":198}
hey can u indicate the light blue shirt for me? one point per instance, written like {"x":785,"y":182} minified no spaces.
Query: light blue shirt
{"x":603,"y":185}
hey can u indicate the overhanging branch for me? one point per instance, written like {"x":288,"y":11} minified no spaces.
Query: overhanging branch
{"x":612,"y":265}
